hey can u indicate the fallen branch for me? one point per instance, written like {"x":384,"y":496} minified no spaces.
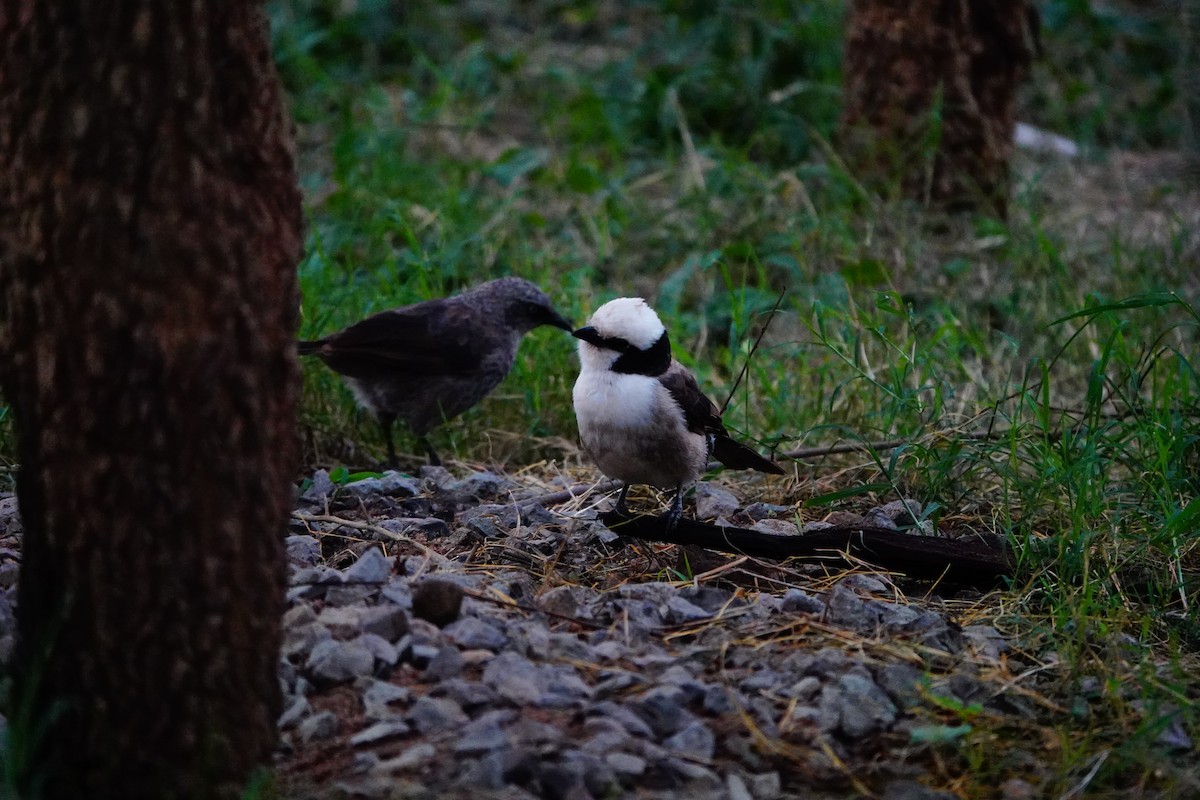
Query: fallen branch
{"x":931,"y":558}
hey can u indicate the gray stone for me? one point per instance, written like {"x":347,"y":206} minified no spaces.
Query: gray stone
{"x":372,"y":567}
{"x":486,"y":733}
{"x":480,"y":485}
{"x":468,"y":694}
{"x":564,"y":687}
{"x":473,"y":633}
{"x":431,"y":527}
{"x":413,"y":758}
{"x":343,"y":622}
{"x":719,"y":700}
{"x":448,"y":663}
{"x":681,"y":611}
{"x":679,"y":675}
{"x":347,"y":595}
{"x":304,"y":550}
{"x":800,"y":600}
{"x":498,"y":769}
{"x":710,"y":598}
{"x":386,"y":620}
{"x":388,"y":729}
{"x":765,"y":785}
{"x":297,"y":615}
{"x":606,"y":741}
{"x":598,"y":777}
{"x":318,"y":727}
{"x":805,"y":689}
{"x":384,"y":651}
{"x":862,"y":707}
{"x":662,"y":708}
{"x":398,"y":593}
{"x":389,"y":483}
{"x":894,"y":615}
{"x":1017,"y":789}
{"x":737,"y":787}
{"x":713,"y":501}
{"x":864,"y":583}
{"x":418,"y":654}
{"x":561,"y":600}
{"x":378,"y":697}
{"x":299,"y":641}
{"x":699,"y":778}
{"x":626,"y":765}
{"x":514,"y":677}
{"x":332,"y":661}
{"x":694,"y":741}
{"x":321,"y":489}
{"x":775,"y":527}
{"x":985,"y":641}
{"x":297,"y":708}
{"x":847,"y":609}
{"x":901,"y":682}
{"x":759,"y":511}
{"x":432,"y":714}
{"x":530,"y":734}
{"x":623,"y":716}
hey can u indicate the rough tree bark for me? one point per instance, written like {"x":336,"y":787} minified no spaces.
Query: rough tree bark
{"x":150,"y":226}
{"x":940,"y":73}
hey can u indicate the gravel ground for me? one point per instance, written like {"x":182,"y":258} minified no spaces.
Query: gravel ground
{"x":448,"y":636}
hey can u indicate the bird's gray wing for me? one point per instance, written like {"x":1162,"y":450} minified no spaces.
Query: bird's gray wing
{"x":699,"y":413}
{"x":425,"y":340}
{"x":703,"y":417}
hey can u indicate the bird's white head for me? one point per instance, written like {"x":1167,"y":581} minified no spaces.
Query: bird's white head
{"x":626,"y":330}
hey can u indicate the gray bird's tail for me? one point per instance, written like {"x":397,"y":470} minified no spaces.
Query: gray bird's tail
{"x":737,"y":456}
{"x":308,"y":348}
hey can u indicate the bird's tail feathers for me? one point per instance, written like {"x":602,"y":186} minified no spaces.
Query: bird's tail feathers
{"x":308,"y":348}
{"x":737,"y":456}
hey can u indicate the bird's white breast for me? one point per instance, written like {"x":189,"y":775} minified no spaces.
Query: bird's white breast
{"x":635,"y":431}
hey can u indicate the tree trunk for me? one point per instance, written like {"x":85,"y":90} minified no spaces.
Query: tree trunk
{"x":929,"y":95}
{"x":150,"y":226}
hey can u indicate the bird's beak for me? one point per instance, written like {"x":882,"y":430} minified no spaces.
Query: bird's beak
{"x":558,"y":321}
{"x":588,"y":334}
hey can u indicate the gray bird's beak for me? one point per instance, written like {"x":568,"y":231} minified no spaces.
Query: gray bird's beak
{"x":558,"y":321}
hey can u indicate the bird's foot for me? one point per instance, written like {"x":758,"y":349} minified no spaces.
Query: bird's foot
{"x":675,"y":513}
{"x":621,"y":508}
{"x":434,"y":461}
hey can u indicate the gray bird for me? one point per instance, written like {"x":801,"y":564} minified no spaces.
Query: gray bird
{"x":429,"y":362}
{"x":642,"y":417}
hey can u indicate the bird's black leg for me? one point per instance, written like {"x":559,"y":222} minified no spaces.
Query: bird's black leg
{"x":621,"y":508}
{"x":434,"y":461}
{"x":385,"y":422}
{"x":676,"y":511}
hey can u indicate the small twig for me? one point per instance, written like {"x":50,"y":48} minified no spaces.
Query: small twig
{"x":426,"y":550}
{"x":570,"y":493}
{"x":532,"y":610}
{"x":750,"y":355}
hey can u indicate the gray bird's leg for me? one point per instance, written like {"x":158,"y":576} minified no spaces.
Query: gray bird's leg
{"x":676,"y":511}
{"x":434,"y":461}
{"x":385,"y":422}
{"x":621,"y":508}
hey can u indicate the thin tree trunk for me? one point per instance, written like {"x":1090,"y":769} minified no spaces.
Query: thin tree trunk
{"x":936,"y":78}
{"x":149,"y":229}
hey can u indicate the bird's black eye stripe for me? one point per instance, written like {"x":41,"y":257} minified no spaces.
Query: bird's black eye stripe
{"x":654,"y":360}
{"x":614,"y":343}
